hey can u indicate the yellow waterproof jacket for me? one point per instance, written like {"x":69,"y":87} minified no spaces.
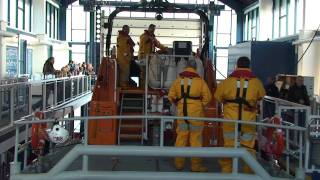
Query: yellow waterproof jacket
{"x":124,"y":47}
{"x":227,"y":90}
{"x":147,"y":45}
{"x":199,"y":88}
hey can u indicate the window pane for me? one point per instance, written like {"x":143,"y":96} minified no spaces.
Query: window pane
{"x":68,"y":25}
{"x":53,"y":19}
{"x":222,"y":67}
{"x":27,"y":16}
{"x":78,"y":35}
{"x":291,"y":18}
{"x":223,"y":40}
{"x":224,"y":22}
{"x":78,"y":57}
{"x":13,"y":17}
{"x":193,"y":16}
{"x":283,"y":7}
{"x":20,"y":4}
{"x":20,"y":19}
{"x":167,"y":15}
{"x":78,"y":48}
{"x":181,"y":15}
{"x":124,"y":14}
{"x":77,"y":23}
{"x":137,"y":14}
{"x":283,"y":26}
{"x":276,"y":20}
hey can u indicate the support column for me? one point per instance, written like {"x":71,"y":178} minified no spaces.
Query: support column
{"x":240,"y":22}
{"x":211,"y":36}
{"x":63,"y":23}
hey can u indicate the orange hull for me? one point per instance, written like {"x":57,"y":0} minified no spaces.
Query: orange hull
{"x":104,"y":103}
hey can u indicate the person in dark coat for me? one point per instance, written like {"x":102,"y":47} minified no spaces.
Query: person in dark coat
{"x":48,"y":67}
{"x":298,"y":92}
{"x":271,"y":90}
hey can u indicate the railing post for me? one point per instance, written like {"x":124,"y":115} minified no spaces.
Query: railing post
{"x":26,"y":139}
{"x":161,"y":132}
{"x":55,"y":93}
{"x":15,"y":166}
{"x":71,"y":88}
{"x":82,"y":84}
{"x":236,"y":145}
{"x":300,"y":173}
{"x":12,"y":105}
{"x":78,"y":84}
{"x":64,"y":90}
{"x":288,"y":150}
{"x":85,"y":157}
{"x":30,"y":98}
{"x":44,"y":96}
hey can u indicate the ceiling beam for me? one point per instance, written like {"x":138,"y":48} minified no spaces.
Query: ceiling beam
{"x":234,"y":4}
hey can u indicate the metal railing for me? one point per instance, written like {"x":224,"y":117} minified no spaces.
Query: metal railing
{"x":291,"y":114}
{"x":85,"y":150}
{"x":20,"y":99}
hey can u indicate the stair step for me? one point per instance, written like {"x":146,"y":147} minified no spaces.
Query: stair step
{"x":131,"y":122}
{"x":132,"y":113}
{"x":131,"y":136}
{"x":132,"y":99}
{"x":132,"y":107}
{"x":131,"y":126}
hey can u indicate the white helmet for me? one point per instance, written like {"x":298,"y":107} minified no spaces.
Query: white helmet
{"x":58,"y":134}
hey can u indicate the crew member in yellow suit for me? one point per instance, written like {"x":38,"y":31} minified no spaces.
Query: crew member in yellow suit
{"x":147,"y":45}
{"x":191,"y":94}
{"x":124,"y":55}
{"x":239,"y":94}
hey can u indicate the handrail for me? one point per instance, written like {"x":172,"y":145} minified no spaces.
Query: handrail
{"x":24,"y":121}
{"x":284,"y":101}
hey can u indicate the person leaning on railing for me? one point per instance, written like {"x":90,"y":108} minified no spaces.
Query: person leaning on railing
{"x":239,"y":93}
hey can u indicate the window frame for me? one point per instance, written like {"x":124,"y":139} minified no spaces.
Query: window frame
{"x":17,"y":19}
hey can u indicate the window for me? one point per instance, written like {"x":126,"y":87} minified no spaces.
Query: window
{"x":286,"y":17}
{"x":20,"y":14}
{"x":52,"y":18}
{"x":251,"y":23}
{"x":225,"y":35}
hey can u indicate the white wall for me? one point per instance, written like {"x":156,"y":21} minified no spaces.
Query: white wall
{"x":310,"y":64}
{"x":312,"y":14}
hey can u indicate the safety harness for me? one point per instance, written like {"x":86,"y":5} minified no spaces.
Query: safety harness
{"x":186,"y":96}
{"x":241,"y":100}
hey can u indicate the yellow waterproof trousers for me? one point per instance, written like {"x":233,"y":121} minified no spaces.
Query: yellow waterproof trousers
{"x":247,"y":140}
{"x":124,"y":68}
{"x":192,"y":136}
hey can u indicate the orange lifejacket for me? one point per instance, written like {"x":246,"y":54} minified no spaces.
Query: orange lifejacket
{"x":38,"y":133}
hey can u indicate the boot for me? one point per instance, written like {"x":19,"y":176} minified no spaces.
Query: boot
{"x":196,"y":165}
{"x":179,"y":163}
{"x":200,"y":168}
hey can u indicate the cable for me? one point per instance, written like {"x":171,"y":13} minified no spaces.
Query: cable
{"x":305,"y":51}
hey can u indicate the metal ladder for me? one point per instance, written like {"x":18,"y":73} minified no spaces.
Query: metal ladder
{"x":131,"y":130}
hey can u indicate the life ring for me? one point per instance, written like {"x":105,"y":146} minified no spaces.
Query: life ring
{"x":275,"y":139}
{"x":38,"y":133}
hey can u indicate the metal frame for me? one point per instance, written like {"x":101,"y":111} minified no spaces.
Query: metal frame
{"x":301,"y":143}
{"x":12,"y":88}
{"x":86,"y":150}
